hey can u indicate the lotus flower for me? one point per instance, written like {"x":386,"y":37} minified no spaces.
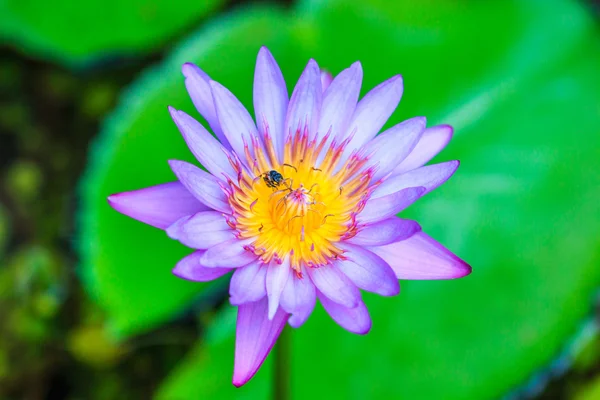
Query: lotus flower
{"x":301,"y":203}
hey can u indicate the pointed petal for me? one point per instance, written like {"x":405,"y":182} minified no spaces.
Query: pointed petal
{"x":236,"y":122}
{"x":326,"y":79}
{"x":277,"y":277}
{"x":432,"y":141}
{"x":229,"y":254}
{"x":385,"y":232}
{"x":248,"y":283}
{"x":202,"y":230}
{"x":255,"y":336}
{"x":429,"y":177}
{"x":391,"y":147}
{"x":305,"y":104}
{"x":422,"y":257}
{"x":201,"y":184}
{"x":339,"y":101}
{"x":390,"y":205}
{"x":191,"y":269}
{"x":368,"y":271}
{"x":373,"y":111}
{"x":197,"y":84}
{"x":332,"y":283}
{"x":158,"y":206}
{"x":206,"y":149}
{"x":270,"y":98}
{"x":355,"y":320}
{"x":298,"y":298}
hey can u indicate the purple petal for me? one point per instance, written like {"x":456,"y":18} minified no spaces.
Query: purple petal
{"x":368,"y":271}
{"x":384,"y":232}
{"x":373,"y":111}
{"x":201,"y":184}
{"x":429,"y":177}
{"x":355,"y":320}
{"x":229,"y":254}
{"x":211,"y":154}
{"x":305,"y":103}
{"x":255,"y":336}
{"x":332,"y":283}
{"x":158,"y":206}
{"x":326,"y":79}
{"x":236,"y":122}
{"x":277,"y":277}
{"x":298,"y":298}
{"x":197,"y":84}
{"x":202,"y":230}
{"x":391,"y":147}
{"x":339,"y":101}
{"x":390,"y":205}
{"x":421,"y":257}
{"x":432,"y":141}
{"x":270,"y":98}
{"x":191,"y":269}
{"x":248,"y":283}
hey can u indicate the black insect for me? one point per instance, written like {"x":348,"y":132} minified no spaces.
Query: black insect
{"x":273,"y":179}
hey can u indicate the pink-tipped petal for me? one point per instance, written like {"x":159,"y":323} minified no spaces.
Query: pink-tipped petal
{"x":432,"y":141}
{"x":355,"y":320}
{"x":373,"y":111}
{"x":332,"y":283}
{"x":255,"y":336}
{"x":429,"y":177}
{"x":248,"y":283}
{"x":305,"y":103}
{"x":385,"y":232}
{"x":387,"y":206}
{"x":391,"y":147}
{"x":270,"y":98}
{"x":339,"y":101}
{"x":277,"y":277}
{"x":191,"y":269}
{"x":326,"y":79}
{"x":422,"y":257}
{"x":229,"y":254}
{"x":236,"y":122}
{"x":207,"y":149}
{"x":159,"y":206}
{"x":202,"y":230}
{"x":368,"y":271}
{"x":298,"y":298}
{"x":201,"y":184}
{"x":197,"y":84}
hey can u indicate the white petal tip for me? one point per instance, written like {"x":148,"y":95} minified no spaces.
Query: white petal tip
{"x":187,"y":69}
{"x":239,"y":382}
{"x":462,"y":269}
{"x":272,"y":309}
{"x":113,"y":199}
{"x":264,"y":52}
{"x":364,"y":331}
{"x":421,"y":121}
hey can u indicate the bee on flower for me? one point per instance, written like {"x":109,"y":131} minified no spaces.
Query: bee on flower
{"x":301,"y":203}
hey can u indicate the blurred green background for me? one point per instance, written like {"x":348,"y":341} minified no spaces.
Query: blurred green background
{"x":88,"y":307}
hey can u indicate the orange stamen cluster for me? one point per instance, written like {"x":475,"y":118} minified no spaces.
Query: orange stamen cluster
{"x":310,"y":206}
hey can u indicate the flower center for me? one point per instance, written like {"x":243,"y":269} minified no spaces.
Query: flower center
{"x":299,"y":208}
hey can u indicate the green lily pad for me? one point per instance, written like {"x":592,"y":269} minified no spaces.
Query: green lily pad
{"x":519,"y":82}
{"x":76,"y":33}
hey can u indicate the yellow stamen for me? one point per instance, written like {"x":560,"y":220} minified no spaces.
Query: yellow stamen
{"x":301,"y":210}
